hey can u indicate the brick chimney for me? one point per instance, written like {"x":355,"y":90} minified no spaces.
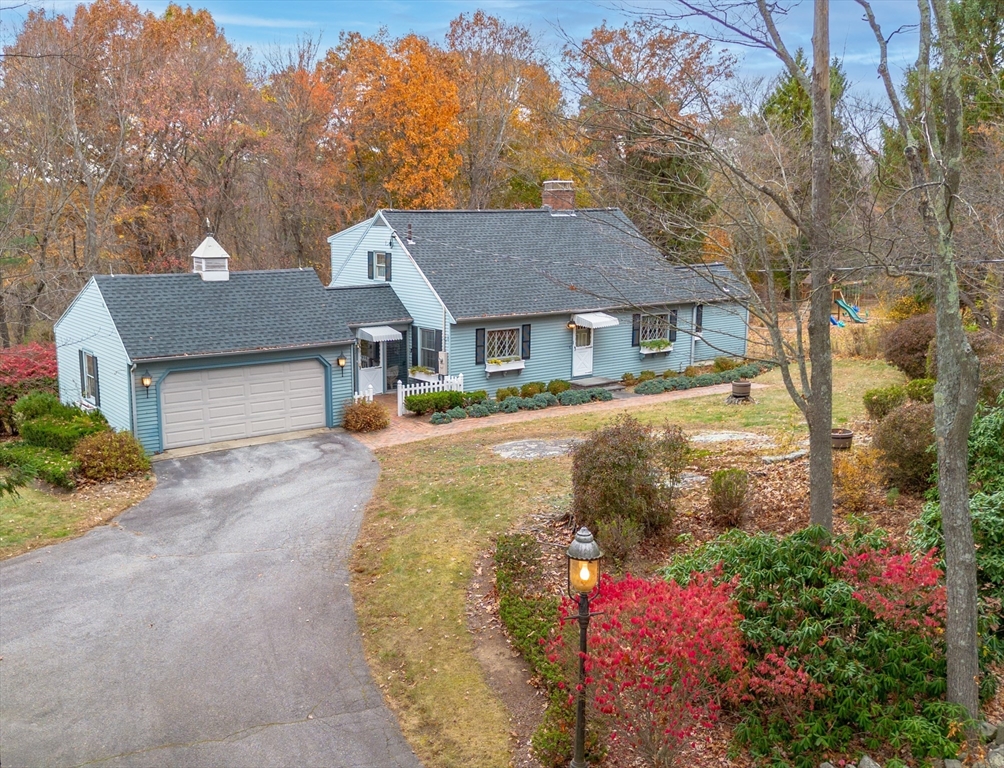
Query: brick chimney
{"x":559,"y":195}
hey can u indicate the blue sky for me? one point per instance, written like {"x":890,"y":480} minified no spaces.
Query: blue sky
{"x":260,"y":23}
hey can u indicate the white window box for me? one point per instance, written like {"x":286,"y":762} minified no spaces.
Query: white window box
{"x":512,"y":365}
{"x":432,"y":378}
{"x":651,"y":351}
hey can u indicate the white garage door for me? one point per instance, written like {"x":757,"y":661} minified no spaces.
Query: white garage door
{"x":230,"y":403}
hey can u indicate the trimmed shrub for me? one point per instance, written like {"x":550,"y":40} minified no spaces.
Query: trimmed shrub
{"x":883,"y":400}
{"x":669,"y":374}
{"x":921,"y":390}
{"x":723,"y":364}
{"x":36,"y":404}
{"x":457,"y":413}
{"x":475,"y":397}
{"x":478,"y":411}
{"x":557,"y":386}
{"x":46,"y":464}
{"x":510,"y":404}
{"x":440,"y":418}
{"x":675,"y":381}
{"x":110,"y":456}
{"x":627,"y":470}
{"x":729,"y":494}
{"x":62,"y":434}
{"x":503,"y":392}
{"x":365,"y":417}
{"x":629,"y":379}
{"x":646,"y":376}
{"x":24,"y":369}
{"x":532,"y":388}
{"x":433,"y":401}
{"x":905,"y":344}
{"x":904,"y":438}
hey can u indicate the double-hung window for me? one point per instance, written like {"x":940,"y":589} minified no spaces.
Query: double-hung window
{"x":379,"y":266}
{"x":503,"y":344}
{"x":429,"y":356}
{"x":89,"y":389}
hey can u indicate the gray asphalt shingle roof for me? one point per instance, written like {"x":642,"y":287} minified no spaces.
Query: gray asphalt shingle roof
{"x":182,"y":315}
{"x":368,"y":304}
{"x":524,"y":262}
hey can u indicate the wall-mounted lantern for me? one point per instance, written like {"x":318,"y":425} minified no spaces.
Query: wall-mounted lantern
{"x":146,"y":380}
{"x":341,"y":363}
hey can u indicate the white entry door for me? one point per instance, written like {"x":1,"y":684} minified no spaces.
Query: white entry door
{"x":582,"y":351}
{"x":370,"y":366}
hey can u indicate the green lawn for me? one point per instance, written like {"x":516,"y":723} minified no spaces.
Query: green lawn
{"x":440,"y":502}
{"x":35,"y":518}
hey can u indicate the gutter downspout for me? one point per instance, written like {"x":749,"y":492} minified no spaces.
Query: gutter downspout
{"x":132,"y":399}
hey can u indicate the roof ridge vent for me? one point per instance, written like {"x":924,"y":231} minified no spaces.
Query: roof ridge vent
{"x":210,"y":261}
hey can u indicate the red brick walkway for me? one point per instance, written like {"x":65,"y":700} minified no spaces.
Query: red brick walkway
{"x":411,"y":428}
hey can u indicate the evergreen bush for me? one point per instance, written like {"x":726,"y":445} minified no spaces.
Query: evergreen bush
{"x":905,"y":344}
{"x":52,"y":466}
{"x":557,"y":386}
{"x":365,"y":417}
{"x":881,"y":401}
{"x":905,"y":438}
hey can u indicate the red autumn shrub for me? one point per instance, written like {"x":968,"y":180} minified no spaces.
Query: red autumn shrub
{"x":661,"y":658}
{"x":904,"y":590}
{"x":24,"y":369}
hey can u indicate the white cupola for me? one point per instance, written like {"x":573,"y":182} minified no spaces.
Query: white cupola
{"x":210,"y":261}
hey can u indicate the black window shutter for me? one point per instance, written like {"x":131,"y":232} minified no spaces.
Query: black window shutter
{"x":416,"y":335}
{"x":699,"y":318}
{"x":672,"y":324}
{"x":635,"y":330}
{"x":387,"y":262}
{"x":83,"y":381}
{"x":479,"y":346}
{"x":369,"y":265}
{"x":97,"y":385}
{"x":439,"y":341}
{"x":525,"y":351}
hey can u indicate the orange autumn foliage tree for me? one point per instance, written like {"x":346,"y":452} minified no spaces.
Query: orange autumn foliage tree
{"x":395,"y":120}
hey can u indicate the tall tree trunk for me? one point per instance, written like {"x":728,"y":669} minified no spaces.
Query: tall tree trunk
{"x":956,"y":390}
{"x":820,"y":413}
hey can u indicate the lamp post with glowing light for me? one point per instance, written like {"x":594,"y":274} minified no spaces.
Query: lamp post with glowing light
{"x":583,"y":577}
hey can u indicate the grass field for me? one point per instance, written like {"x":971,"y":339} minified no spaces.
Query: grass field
{"x":35,"y":518}
{"x":441,"y":502}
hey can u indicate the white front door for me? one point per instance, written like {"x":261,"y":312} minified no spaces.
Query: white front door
{"x":582,"y":352}
{"x":370,"y":366}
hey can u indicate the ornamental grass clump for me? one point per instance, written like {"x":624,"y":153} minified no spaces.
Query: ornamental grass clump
{"x":729,"y":497}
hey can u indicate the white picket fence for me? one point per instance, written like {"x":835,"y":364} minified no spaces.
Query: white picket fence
{"x":446,"y":384}
{"x":367,"y":395}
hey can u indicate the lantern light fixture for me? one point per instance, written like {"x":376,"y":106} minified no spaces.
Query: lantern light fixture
{"x":146,"y":380}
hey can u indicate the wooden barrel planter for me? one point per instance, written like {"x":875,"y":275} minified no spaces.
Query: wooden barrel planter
{"x":841,"y":439}
{"x":740,"y":389}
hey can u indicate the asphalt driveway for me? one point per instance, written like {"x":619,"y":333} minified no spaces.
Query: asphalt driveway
{"x":212,"y":625}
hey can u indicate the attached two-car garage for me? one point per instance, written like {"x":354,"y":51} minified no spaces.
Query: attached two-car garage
{"x":214,"y":404}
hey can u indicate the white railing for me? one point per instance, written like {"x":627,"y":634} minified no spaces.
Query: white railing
{"x":446,"y":384}
{"x":367,"y":395}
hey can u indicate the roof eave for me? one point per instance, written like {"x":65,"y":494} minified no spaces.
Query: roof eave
{"x":247,"y":351}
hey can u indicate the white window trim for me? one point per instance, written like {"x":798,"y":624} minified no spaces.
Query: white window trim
{"x":654,"y":328}
{"x":432,"y":361}
{"x":499,"y":355}
{"x":89,"y":386}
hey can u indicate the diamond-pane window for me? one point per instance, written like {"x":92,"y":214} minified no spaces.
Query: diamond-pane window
{"x":654,"y":327}
{"x":502,"y":344}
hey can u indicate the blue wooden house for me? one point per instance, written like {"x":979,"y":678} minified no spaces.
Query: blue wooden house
{"x":509,"y":296}
{"x":502,"y":297}
{"x":212,"y":355}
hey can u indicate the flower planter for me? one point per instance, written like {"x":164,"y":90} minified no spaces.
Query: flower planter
{"x":503,"y":368}
{"x":740,"y":389}
{"x":841,"y":439}
{"x":432,"y":378}
{"x":650,"y":351}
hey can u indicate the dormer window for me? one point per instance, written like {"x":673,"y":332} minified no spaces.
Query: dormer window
{"x":379,"y":266}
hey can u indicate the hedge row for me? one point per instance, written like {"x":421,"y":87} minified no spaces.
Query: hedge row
{"x":657,"y":386}
{"x":440,"y":402}
{"x":512,"y":404}
{"x":46,"y":464}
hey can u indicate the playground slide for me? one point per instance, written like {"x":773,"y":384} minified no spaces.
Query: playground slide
{"x":851,"y":312}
